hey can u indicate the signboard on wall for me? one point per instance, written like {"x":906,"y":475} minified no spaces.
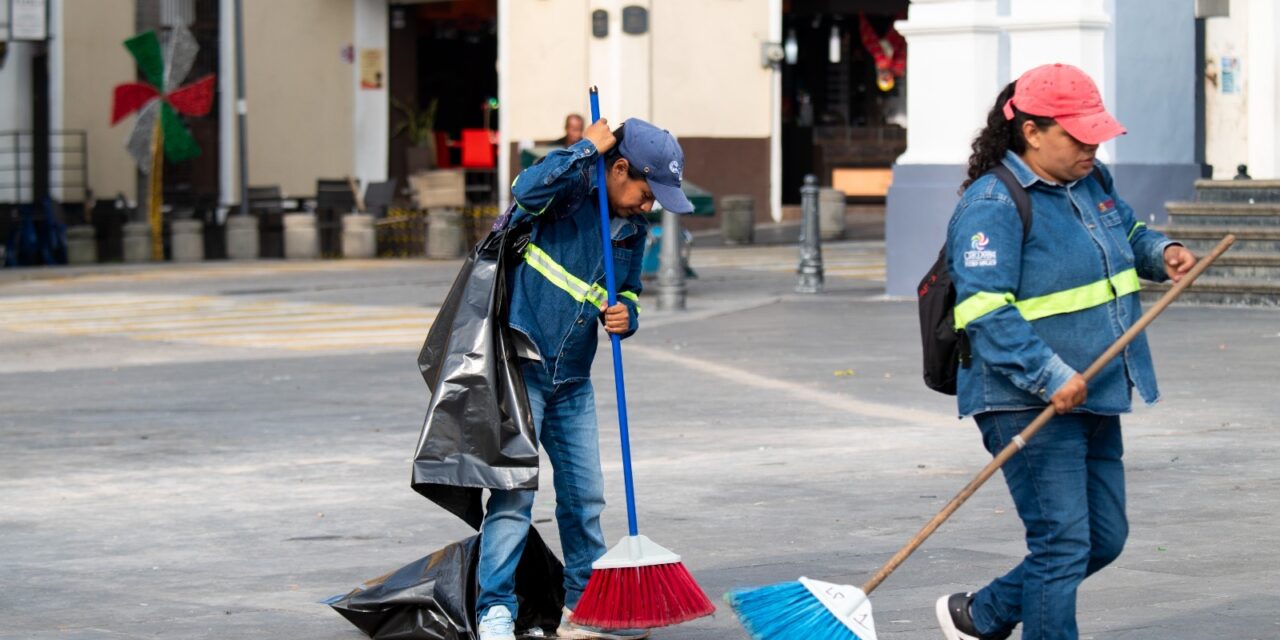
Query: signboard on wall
{"x":1230,"y":75}
{"x":371,"y":69}
{"x":28,"y":20}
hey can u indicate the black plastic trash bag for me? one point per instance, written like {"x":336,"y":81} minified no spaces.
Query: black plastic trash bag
{"x":435,"y":598}
{"x":478,"y":432}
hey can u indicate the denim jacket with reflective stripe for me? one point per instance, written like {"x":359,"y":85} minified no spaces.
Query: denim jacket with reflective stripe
{"x":1038,"y":312}
{"x":556,"y":290}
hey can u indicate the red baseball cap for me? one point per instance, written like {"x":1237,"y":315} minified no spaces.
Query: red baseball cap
{"x":1068,"y":95}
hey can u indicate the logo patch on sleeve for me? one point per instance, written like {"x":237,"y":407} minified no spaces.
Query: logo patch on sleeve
{"x":979,"y":256}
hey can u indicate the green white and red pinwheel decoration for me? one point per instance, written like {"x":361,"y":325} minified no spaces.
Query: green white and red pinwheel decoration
{"x":162,"y":96}
{"x":158,"y":131}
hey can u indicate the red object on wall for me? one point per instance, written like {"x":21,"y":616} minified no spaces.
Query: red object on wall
{"x":477,"y":150}
{"x":444,"y":159}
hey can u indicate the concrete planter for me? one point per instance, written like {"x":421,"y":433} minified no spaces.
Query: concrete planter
{"x":444,"y":234}
{"x":440,"y":188}
{"x":737,"y":219}
{"x":831,"y":208}
{"x":82,"y":244}
{"x":186,"y":241}
{"x":358,"y":237}
{"x":242,"y":237}
{"x":301,"y":240}
{"x":137,"y":242}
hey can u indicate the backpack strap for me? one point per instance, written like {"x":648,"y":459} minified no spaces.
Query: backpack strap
{"x":1020,"y":198}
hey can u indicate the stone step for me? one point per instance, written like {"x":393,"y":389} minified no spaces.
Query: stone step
{"x":1238,"y":191}
{"x":1201,"y":239}
{"x":1240,"y":265}
{"x":1220,"y":214}
{"x":1213,"y":290}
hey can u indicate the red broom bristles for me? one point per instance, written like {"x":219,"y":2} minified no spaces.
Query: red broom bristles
{"x":641,"y":598}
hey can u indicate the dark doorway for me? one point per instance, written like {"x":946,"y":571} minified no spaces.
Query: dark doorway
{"x":838,"y":123}
{"x":446,"y":52}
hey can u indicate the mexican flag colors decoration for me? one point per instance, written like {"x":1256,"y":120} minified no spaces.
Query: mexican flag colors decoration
{"x":160,"y":101}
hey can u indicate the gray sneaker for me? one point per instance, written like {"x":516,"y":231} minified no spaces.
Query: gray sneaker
{"x":497,"y":624}
{"x":572,"y":631}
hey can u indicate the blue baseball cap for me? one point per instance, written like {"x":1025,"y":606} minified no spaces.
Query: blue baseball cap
{"x":655,"y":153}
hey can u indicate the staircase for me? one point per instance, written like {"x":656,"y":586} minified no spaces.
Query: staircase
{"x":1249,"y":273}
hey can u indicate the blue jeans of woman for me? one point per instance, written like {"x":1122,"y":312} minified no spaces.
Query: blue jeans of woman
{"x":1068,"y":487}
{"x":565,"y":417}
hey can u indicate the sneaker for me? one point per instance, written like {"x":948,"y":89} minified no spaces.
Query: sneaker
{"x":573,"y":631}
{"x":957,"y":622}
{"x":497,"y":624}
{"x":532,"y":632}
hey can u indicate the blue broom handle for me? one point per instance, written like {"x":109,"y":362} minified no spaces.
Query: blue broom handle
{"x":602,"y":190}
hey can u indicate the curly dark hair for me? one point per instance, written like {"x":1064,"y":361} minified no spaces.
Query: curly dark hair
{"x":1000,"y":135}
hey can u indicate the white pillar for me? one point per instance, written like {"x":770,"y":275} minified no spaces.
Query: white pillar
{"x":952,"y":58}
{"x":775,"y":125}
{"x":953,"y":76}
{"x":1262,"y":87}
{"x":504,"y":94}
{"x":1068,"y":31}
{"x":228,"y":180}
{"x":620,"y":65}
{"x":371,"y":127}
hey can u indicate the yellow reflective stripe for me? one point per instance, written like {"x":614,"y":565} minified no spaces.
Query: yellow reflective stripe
{"x":555,"y":274}
{"x":1126,"y":282}
{"x":1136,"y":226}
{"x":1068,"y":301}
{"x":1080,"y":298}
{"x":978,"y":305}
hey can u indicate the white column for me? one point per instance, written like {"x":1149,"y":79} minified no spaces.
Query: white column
{"x":775,"y":124}
{"x":228,"y":182}
{"x":1068,"y":31}
{"x":371,"y":127}
{"x":504,"y":95}
{"x":1262,"y":88}
{"x":620,"y":66}
{"x":953,"y":77}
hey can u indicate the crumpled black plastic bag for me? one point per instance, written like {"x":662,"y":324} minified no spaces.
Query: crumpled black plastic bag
{"x":434,"y":598}
{"x":478,"y":432}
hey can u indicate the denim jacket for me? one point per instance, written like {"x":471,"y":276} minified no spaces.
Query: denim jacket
{"x":556,"y":291}
{"x":1040,"y":311}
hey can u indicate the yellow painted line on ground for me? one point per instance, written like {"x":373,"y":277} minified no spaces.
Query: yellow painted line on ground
{"x":219,"y":321}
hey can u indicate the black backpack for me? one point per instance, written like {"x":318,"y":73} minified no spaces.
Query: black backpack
{"x":945,"y":348}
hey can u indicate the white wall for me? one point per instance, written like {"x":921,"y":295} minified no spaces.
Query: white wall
{"x":1227,"y":114}
{"x":371,"y":128}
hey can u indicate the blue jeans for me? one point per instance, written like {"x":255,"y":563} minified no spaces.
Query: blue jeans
{"x":565,"y":417}
{"x":1068,"y":486}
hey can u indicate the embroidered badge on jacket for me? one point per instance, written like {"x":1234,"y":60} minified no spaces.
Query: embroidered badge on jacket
{"x":979,"y":256}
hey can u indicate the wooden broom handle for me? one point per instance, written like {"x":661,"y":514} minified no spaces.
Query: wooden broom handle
{"x":1021,"y":439}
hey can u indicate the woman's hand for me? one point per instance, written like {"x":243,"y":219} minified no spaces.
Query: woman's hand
{"x":1178,"y":260}
{"x":617,"y":319}
{"x":1070,"y":395}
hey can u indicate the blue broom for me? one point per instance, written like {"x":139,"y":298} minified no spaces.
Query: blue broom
{"x":810,"y":609}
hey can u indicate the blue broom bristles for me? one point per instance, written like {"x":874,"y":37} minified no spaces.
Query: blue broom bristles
{"x":786,"y":611}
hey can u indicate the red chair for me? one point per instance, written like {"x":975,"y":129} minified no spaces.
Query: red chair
{"x":477,"y":150}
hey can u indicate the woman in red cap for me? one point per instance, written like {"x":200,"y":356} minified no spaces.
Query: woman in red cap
{"x":1037,"y":305}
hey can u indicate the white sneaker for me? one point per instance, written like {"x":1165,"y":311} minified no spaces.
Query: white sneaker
{"x":571,"y":631}
{"x":497,"y":624}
